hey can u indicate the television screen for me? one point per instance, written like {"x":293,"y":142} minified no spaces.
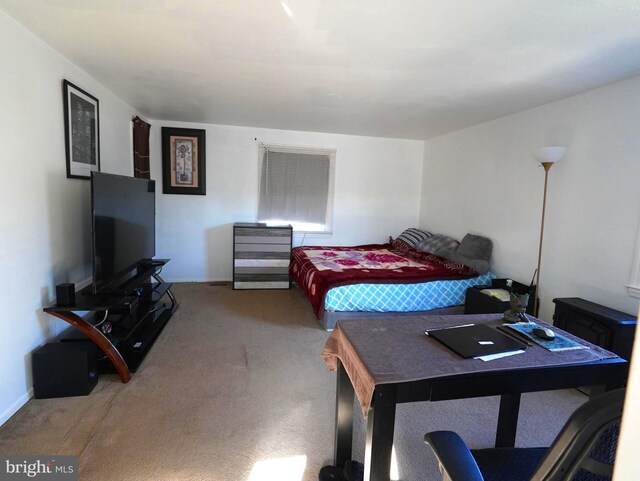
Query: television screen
{"x":123,"y":216}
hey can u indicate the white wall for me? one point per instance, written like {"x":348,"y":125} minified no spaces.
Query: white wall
{"x":45,"y":235}
{"x":485,"y":180}
{"x":377,"y":194}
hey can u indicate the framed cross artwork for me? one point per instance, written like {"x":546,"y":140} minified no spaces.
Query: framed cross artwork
{"x":183,"y":161}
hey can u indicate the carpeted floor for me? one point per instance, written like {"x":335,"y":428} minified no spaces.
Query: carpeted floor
{"x":235,"y":390}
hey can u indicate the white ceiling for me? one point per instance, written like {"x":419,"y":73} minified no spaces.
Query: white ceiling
{"x":403,"y":68}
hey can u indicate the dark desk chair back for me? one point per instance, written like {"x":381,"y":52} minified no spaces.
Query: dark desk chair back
{"x":583,"y":451}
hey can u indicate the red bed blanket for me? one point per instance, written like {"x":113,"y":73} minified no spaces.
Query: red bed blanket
{"x":317,"y":269}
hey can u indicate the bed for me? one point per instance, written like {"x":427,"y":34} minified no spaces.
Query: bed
{"x":403,"y":276}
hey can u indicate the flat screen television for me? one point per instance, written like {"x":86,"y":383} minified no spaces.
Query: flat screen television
{"x":123,"y":226}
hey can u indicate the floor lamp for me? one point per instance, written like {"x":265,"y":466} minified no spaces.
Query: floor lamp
{"x":547,"y":156}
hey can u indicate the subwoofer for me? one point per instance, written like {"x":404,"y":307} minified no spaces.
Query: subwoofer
{"x":62,"y":369}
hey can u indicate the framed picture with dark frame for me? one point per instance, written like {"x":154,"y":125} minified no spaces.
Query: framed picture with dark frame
{"x":183,"y":161}
{"x":82,"y":131}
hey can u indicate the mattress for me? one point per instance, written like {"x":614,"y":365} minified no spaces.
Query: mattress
{"x":320,"y":270}
{"x":421,"y":296}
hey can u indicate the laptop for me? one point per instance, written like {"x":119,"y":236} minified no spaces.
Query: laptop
{"x":476,"y":340}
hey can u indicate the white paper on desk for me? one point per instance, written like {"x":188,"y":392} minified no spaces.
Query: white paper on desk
{"x":492,"y":357}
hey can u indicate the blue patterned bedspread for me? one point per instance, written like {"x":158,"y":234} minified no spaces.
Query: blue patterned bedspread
{"x":401,"y":297}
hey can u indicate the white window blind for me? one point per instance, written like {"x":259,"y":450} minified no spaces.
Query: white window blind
{"x":295,"y":188}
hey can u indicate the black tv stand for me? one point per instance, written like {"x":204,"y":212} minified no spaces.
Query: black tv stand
{"x":152,"y":262}
{"x":127,"y":320}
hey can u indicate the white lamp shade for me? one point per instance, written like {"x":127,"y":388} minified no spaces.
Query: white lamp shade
{"x":550,"y":154}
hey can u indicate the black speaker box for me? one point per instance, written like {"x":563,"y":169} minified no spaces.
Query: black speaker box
{"x":66,"y":294}
{"x":62,"y":369}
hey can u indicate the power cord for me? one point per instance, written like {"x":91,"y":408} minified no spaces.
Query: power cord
{"x":106,"y":314}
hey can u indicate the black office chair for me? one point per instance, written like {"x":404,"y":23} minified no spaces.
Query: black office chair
{"x":583,"y":451}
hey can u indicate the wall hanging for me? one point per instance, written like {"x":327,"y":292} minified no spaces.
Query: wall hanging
{"x":82,"y":131}
{"x":183,"y":161}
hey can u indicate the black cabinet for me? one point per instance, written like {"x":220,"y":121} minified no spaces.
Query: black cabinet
{"x":600,"y":325}
{"x":476,"y":302}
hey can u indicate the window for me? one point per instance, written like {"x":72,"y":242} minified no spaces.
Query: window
{"x":634,"y":282}
{"x":296,"y":187}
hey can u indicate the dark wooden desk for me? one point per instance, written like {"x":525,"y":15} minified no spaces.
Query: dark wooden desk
{"x":392,"y":361}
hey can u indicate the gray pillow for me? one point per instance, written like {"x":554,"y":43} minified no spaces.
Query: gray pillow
{"x":479,"y":265}
{"x":475,"y":247}
{"x":437,"y":242}
{"x":413,"y":236}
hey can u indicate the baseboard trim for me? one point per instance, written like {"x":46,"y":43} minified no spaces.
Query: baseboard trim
{"x":185,"y":280}
{"x":15,"y":407}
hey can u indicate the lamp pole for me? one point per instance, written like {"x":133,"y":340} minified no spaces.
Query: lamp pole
{"x":547,"y":166}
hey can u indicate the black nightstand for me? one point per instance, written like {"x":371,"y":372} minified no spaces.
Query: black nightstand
{"x":476,"y":302}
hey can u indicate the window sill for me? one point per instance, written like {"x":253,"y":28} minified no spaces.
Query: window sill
{"x":312,"y":233}
{"x":634,"y":291}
